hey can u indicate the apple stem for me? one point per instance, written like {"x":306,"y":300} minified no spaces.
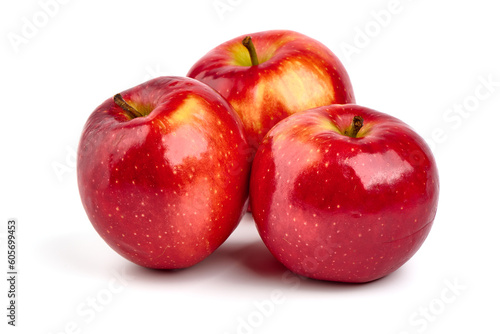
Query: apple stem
{"x":130,"y":111}
{"x":247,"y":42}
{"x":357,"y":124}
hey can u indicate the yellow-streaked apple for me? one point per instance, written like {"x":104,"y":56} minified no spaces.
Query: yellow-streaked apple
{"x":267,"y":76}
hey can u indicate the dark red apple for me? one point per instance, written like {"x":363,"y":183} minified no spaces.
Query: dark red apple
{"x":267,"y":76}
{"x":343,"y":193}
{"x":163,"y":172}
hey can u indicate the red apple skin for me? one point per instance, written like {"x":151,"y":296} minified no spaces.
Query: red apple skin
{"x":295,"y":73}
{"x":337,"y":208}
{"x":164,"y":190}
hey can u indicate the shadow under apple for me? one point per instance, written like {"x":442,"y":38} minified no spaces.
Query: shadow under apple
{"x":241,"y":262}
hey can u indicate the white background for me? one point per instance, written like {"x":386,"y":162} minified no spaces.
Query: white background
{"x":422,"y":63}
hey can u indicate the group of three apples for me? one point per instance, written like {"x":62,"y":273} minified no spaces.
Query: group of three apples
{"x":338,"y":192}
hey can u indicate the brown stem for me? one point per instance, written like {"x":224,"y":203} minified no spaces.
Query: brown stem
{"x":130,"y":111}
{"x":357,"y":124}
{"x":247,"y":42}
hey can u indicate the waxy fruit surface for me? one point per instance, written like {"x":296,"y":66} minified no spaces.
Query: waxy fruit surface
{"x":340,"y":208}
{"x":166,"y":186}
{"x":294,"y":73}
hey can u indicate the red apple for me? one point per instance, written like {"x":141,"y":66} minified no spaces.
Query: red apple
{"x":267,"y":76}
{"x":343,"y":193}
{"x":163,"y":172}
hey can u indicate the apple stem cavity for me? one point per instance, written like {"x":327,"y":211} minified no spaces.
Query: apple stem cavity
{"x":357,"y":124}
{"x":247,"y":42}
{"x":130,"y":111}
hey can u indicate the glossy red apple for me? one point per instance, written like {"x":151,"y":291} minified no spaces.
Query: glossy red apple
{"x":343,"y":193}
{"x":163,"y":172}
{"x":267,"y":76}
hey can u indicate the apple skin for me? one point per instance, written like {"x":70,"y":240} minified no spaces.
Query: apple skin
{"x":165,"y":190}
{"x":295,"y":73}
{"x":336,"y":208}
